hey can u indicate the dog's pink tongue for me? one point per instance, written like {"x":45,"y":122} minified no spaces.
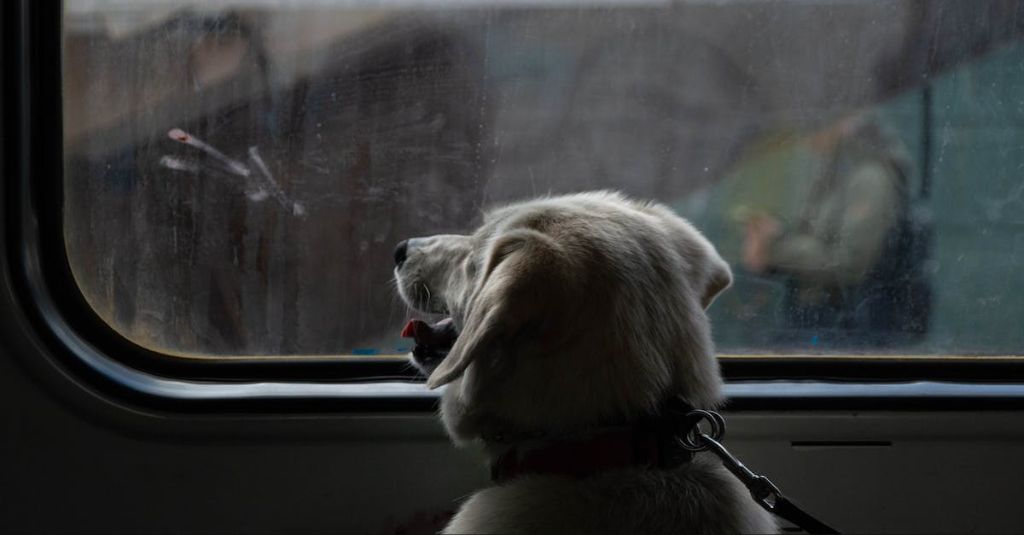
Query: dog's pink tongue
{"x":409,"y":331}
{"x":439,"y":335}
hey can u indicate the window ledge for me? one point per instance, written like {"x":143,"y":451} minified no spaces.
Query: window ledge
{"x":807,"y":392}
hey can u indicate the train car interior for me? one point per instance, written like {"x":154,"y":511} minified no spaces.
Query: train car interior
{"x":216,"y":306}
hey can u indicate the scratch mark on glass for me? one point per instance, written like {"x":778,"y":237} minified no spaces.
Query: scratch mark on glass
{"x":229,"y":164}
{"x":257,"y":186}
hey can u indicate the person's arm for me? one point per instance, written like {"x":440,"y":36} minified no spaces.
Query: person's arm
{"x":870,"y":211}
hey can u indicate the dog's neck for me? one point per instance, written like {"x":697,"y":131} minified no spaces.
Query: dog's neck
{"x":648,"y":443}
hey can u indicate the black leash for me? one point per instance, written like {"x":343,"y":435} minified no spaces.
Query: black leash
{"x":764,"y":492}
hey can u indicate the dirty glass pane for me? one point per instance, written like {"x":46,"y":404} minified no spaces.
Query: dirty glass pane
{"x":237,"y":173}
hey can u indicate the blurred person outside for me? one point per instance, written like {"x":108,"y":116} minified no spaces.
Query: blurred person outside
{"x":850,"y":255}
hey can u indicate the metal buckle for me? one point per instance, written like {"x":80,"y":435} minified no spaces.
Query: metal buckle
{"x":694,"y":440}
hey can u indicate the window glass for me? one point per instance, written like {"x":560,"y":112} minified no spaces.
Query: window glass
{"x":238,"y":173}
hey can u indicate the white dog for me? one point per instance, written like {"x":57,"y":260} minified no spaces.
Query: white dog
{"x":577,"y":318}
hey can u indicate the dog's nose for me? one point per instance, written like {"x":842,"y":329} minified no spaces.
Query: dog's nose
{"x":400,"y":252}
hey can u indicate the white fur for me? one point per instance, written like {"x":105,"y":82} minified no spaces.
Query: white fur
{"x":578,"y":312}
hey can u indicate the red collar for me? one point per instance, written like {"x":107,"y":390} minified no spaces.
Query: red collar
{"x":604,"y":451}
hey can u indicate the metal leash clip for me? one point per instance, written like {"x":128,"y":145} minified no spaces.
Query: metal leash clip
{"x":764,"y":492}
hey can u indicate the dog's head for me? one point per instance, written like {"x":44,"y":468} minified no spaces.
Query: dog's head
{"x":571,"y":311}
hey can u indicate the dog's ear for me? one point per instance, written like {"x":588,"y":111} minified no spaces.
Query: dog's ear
{"x":518,"y":289}
{"x":716,"y":278}
{"x":706,"y":272}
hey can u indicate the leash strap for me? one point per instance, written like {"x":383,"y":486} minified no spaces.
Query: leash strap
{"x":764,"y":492}
{"x":789,"y":511}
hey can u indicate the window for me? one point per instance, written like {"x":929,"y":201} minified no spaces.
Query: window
{"x":237,"y":173}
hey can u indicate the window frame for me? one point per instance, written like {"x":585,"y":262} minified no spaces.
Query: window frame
{"x":89,"y":348}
